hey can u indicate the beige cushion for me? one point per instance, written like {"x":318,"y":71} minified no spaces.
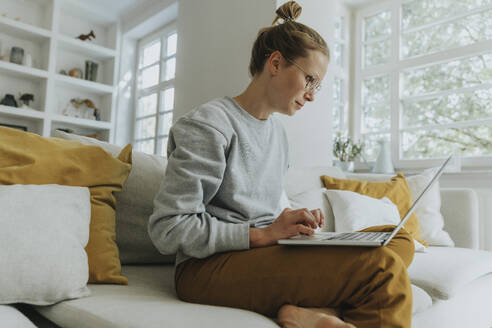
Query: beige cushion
{"x":134,"y":204}
{"x":148,"y":301}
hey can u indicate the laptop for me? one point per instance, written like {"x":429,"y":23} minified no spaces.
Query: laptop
{"x":366,"y":239}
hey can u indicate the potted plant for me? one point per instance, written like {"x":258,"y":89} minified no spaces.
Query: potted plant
{"x":346,"y":151}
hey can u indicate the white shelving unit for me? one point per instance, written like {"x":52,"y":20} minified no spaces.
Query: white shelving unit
{"x":47,"y":30}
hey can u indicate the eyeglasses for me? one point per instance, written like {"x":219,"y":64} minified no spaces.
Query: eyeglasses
{"x":313,"y":84}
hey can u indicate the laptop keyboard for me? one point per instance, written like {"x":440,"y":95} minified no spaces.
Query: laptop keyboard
{"x":363,"y":236}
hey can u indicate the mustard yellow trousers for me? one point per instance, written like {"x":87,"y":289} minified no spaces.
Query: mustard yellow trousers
{"x":368,"y":285}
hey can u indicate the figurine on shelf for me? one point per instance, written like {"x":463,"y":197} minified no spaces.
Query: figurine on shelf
{"x":9,"y":100}
{"x":82,"y":108}
{"x":17,"y":55}
{"x":75,"y":72}
{"x":97,"y":114}
{"x":25,"y":99}
{"x":87,"y":36}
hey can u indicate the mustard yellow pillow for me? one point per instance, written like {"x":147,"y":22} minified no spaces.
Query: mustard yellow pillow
{"x":396,"y":190}
{"x":27,"y":158}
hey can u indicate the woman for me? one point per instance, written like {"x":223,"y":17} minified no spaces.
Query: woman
{"x":218,"y":208}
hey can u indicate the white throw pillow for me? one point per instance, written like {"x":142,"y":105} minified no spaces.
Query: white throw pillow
{"x":428,"y":211}
{"x":313,"y":199}
{"x":353,"y":211}
{"x":44,"y":230}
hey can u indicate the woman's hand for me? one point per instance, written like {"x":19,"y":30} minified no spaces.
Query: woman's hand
{"x":289,"y":223}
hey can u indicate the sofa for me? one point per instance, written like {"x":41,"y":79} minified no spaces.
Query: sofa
{"x":451,"y":286}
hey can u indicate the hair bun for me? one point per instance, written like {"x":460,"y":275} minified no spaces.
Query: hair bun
{"x":289,"y":12}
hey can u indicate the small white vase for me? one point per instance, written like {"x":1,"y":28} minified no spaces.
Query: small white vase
{"x":383,"y":161}
{"x":345,"y":166}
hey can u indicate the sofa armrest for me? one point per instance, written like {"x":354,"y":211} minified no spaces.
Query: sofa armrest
{"x":459,"y":207}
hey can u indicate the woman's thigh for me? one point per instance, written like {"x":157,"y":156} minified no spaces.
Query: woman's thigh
{"x":264,"y":279}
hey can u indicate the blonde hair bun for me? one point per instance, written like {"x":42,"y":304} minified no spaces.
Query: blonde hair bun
{"x":289,"y":12}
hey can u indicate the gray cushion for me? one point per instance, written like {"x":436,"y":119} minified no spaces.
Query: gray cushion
{"x":148,"y":301}
{"x":134,"y":204}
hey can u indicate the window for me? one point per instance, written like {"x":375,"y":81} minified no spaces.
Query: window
{"x":340,"y":90}
{"x":425,"y":80}
{"x":155,"y":91}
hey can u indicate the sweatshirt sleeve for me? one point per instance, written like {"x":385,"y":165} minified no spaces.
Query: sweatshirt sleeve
{"x":196,"y":165}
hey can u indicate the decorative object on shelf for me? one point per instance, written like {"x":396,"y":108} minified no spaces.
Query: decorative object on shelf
{"x":65,"y":130}
{"x":63,"y":72}
{"x":27,"y":60}
{"x":97,"y":114}
{"x":18,"y":127}
{"x":82,"y":108}
{"x":383,"y":161}
{"x":9,"y":100}
{"x":91,"y":70}
{"x":95,"y":136}
{"x":25,"y":99}
{"x":346,"y":151}
{"x":87,"y":36}
{"x":75,"y":72}
{"x":16,"y":55}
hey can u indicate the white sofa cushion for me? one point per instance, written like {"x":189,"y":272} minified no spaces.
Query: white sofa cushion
{"x":148,"y":301}
{"x":12,"y":318}
{"x":301,"y":179}
{"x":135,"y":202}
{"x":431,"y":221}
{"x":444,"y":271}
{"x":313,"y":199}
{"x":44,"y":230}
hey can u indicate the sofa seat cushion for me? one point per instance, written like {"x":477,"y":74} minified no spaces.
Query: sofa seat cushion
{"x":13,"y":318}
{"x":444,"y":271}
{"x":148,"y":301}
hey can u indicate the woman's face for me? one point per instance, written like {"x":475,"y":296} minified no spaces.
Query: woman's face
{"x":289,"y":93}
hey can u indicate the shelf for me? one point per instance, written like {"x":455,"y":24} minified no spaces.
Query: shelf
{"x":23,"y":31}
{"x":75,"y":121}
{"x":94,"y":87}
{"x":88,"y":49}
{"x":31,"y":114}
{"x":16,"y":70}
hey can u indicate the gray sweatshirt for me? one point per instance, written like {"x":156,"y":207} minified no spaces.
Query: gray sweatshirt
{"x":225,"y":174}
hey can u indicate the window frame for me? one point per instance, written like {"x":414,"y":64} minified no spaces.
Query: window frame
{"x":162,"y":35}
{"x":394,"y":67}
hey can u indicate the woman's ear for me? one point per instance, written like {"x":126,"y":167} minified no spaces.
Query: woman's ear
{"x":273,"y":62}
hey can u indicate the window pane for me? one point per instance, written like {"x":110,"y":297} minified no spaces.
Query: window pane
{"x":146,"y":146}
{"x":339,"y":30}
{"x":376,"y":118}
{"x":338,"y":54}
{"x":147,"y":105}
{"x":376,"y":90}
{"x":462,"y":32}
{"x":170,"y":69}
{"x":456,"y":107}
{"x":337,"y":91}
{"x":419,"y":12}
{"x":163,"y":144}
{"x":337,"y":112}
{"x":149,"y":76}
{"x":371,"y":145}
{"x":377,"y":53}
{"x":436,"y":143}
{"x":172,"y":42}
{"x":165,"y":121}
{"x":377,"y":26}
{"x":462,"y":73}
{"x":167,"y":99}
{"x":145,"y":128}
{"x":151,"y":54}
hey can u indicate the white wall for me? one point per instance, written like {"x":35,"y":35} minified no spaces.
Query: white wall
{"x":214,"y":47}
